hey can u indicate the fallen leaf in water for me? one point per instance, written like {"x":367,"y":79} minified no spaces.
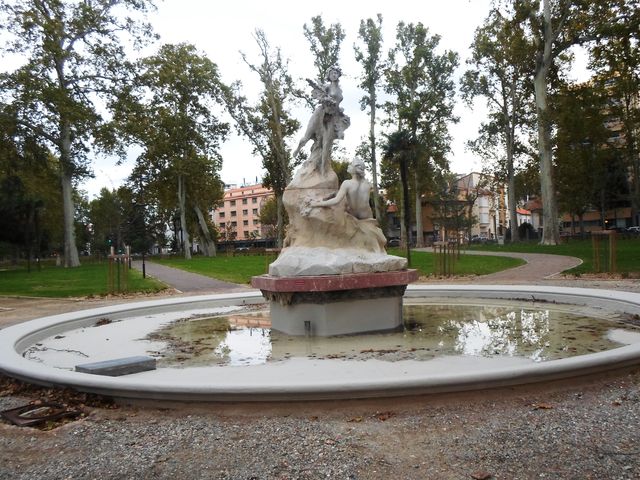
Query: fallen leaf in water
{"x":542,"y":406}
{"x":355,"y":419}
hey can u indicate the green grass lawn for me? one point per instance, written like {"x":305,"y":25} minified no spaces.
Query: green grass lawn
{"x":463,"y":265}
{"x":224,"y":267}
{"x":627,"y":253}
{"x":240,"y":269}
{"x":90,"y":279}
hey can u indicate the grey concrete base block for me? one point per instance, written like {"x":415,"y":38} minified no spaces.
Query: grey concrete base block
{"x":119,"y":366}
{"x":337,"y":318}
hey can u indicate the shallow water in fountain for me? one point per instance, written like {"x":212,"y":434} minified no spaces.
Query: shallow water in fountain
{"x":240,"y":336}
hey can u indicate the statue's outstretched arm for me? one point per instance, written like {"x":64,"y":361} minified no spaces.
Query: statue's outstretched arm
{"x":335,"y":200}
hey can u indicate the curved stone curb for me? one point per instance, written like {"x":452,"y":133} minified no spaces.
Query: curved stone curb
{"x":312,"y":379}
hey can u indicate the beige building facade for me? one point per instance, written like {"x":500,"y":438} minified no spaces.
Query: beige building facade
{"x":238,"y":217}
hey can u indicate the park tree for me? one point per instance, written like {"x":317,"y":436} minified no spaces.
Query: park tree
{"x":420,"y":81}
{"x":616,"y":60}
{"x":171,"y":114}
{"x":399,"y":151}
{"x":268,"y":123}
{"x":555,"y":26}
{"x":369,"y":55}
{"x":30,"y":201}
{"x":324,"y":43}
{"x":72,"y":54}
{"x":581,"y":147}
{"x":501,"y":66}
{"x":107,"y":219}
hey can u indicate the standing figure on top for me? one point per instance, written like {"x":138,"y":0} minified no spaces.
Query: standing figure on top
{"x":328,"y":121}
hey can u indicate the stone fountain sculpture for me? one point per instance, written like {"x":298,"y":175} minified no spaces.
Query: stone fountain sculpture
{"x":333,"y":275}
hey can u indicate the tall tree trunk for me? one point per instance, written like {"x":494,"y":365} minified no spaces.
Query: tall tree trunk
{"x":71,"y":258}
{"x":208,"y":245}
{"x":182,"y":194}
{"x":550,"y":233}
{"x":511,"y":194}
{"x":419,"y":228}
{"x":374,"y":162}
{"x":406,"y":210}
{"x":280,"y":220}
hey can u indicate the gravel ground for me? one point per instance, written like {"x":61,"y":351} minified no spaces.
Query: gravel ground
{"x":585,"y":428}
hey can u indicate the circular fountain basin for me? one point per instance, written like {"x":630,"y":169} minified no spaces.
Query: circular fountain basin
{"x":313,"y":377}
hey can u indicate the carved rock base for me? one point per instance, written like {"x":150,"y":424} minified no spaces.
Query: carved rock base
{"x":335,"y":304}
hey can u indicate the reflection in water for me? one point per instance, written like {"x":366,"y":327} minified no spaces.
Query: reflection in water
{"x":429,"y":330}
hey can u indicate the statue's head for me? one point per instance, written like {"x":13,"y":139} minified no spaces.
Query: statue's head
{"x":356,"y":166}
{"x":333,"y":70}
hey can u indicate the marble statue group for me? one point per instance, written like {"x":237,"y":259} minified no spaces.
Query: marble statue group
{"x":331,"y":226}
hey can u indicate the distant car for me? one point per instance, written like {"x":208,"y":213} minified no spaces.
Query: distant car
{"x":634,"y":230}
{"x":393,"y":242}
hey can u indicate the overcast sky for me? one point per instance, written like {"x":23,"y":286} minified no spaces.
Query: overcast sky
{"x":222,"y":29}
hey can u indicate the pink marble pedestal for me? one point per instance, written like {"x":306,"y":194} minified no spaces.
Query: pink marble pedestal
{"x":327,"y":305}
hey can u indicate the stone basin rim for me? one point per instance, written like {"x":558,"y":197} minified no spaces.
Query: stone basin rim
{"x":316,"y":380}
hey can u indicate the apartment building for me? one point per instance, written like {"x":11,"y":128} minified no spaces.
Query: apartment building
{"x":488,"y":204}
{"x":238,"y":216}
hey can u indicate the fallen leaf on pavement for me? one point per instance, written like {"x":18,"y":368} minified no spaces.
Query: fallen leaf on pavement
{"x":481,"y":476}
{"x":542,"y":406}
{"x":384,"y":416}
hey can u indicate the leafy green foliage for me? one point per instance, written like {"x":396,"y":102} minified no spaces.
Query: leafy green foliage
{"x":171,"y":114}
{"x":268,"y":123}
{"x":74,"y":54}
{"x":422,"y":87}
{"x":370,"y":57}
{"x":501,"y":68}
{"x":325,"y":43}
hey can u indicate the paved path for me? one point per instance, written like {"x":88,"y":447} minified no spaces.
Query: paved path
{"x":187,"y":282}
{"x":539,"y":267}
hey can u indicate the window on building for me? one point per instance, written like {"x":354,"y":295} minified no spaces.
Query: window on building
{"x":255,"y":211}
{"x":246,"y":234}
{"x":245,"y":212}
{"x":244,"y":201}
{"x":221,"y":214}
{"x":254,"y":199}
{"x":232,"y":203}
{"x":256,"y":221}
{"x":233,"y":213}
{"x":234,"y":224}
{"x":222,"y":224}
{"x":245,"y":222}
